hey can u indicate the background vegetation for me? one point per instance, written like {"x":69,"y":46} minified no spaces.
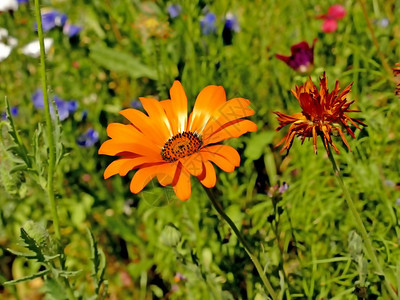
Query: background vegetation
{"x":155,"y":246}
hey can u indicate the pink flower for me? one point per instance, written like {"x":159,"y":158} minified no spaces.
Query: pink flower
{"x":329,"y":25}
{"x":335,"y":12}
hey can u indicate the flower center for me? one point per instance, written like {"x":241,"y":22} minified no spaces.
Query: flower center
{"x":181,"y":145}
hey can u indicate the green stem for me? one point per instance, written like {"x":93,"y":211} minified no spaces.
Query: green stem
{"x":360,"y":226}
{"x":52,"y":148}
{"x":246,"y":246}
{"x":49,"y":125}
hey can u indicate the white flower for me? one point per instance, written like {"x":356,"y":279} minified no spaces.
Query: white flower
{"x":3,"y":33}
{"x":33,"y":48}
{"x":7,"y":43}
{"x":7,"y":5}
{"x":5,"y":51}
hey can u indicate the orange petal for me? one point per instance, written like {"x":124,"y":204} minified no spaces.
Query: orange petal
{"x":231,"y":130}
{"x":179,"y":102}
{"x":208,"y":178}
{"x":145,"y":125}
{"x":193,"y":164}
{"x":123,"y":133}
{"x":143,"y":176}
{"x":219,"y":160}
{"x":171,"y":115}
{"x":167,"y":176}
{"x":207,"y":102}
{"x":182,"y":187}
{"x":228,"y":152}
{"x":230,"y":111}
{"x":111,"y":147}
{"x":157,"y":114}
{"x":124,"y":165}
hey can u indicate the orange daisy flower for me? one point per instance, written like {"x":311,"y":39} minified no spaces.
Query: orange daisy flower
{"x":171,"y":146}
{"x":323,"y":114}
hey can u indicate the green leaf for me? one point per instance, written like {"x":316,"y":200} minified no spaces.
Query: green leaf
{"x":53,"y":290}
{"x":23,"y":254}
{"x":118,"y":61}
{"x":20,"y":149}
{"x":64,"y":273}
{"x":257,"y":143}
{"x":32,"y":245}
{"x":98,"y":263}
{"x":38,"y":274}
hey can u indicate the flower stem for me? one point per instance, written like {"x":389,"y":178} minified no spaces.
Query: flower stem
{"x":360,"y":226}
{"x":49,"y":125}
{"x":52,"y":147}
{"x":242,"y":240}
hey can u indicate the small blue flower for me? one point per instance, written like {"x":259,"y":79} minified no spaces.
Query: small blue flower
{"x":231,"y":22}
{"x":88,"y":139}
{"x":135,"y":103}
{"x":383,"y":22}
{"x":174,"y":10}
{"x":207,"y":23}
{"x":64,"y":108}
{"x":71,"y":30}
{"x":14,"y":112}
{"x":51,"y":19}
{"x":22,"y":1}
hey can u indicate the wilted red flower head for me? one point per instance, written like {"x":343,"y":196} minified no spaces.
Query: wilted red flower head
{"x":323,"y":114}
{"x":396,"y":72}
{"x":302,"y":58}
{"x":335,"y":12}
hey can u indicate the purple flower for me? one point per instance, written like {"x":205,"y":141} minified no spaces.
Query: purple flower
{"x":283,"y":188}
{"x":88,"y":139}
{"x":71,"y":30}
{"x":22,"y":1}
{"x":174,"y":10}
{"x":14,"y":112}
{"x":64,"y":108}
{"x":207,"y":23}
{"x":302,"y":58}
{"x":51,"y":19}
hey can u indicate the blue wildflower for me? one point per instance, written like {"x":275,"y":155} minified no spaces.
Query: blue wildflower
{"x":88,"y":139}
{"x":64,"y":108}
{"x":207,"y":23}
{"x":71,"y":30}
{"x":135,"y":103}
{"x":231,"y":23}
{"x":52,"y":19}
{"x":230,"y":27}
{"x":22,"y":1}
{"x":14,"y":112}
{"x":174,"y":10}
